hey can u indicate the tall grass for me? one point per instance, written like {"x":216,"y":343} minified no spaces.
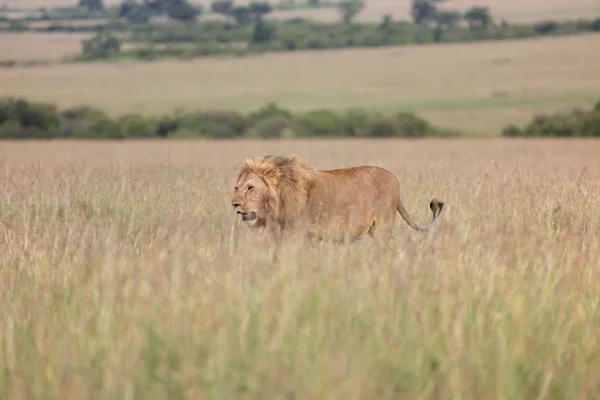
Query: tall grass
{"x":124,"y":275}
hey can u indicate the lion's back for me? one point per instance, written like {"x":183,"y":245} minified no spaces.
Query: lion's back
{"x":352,"y":196}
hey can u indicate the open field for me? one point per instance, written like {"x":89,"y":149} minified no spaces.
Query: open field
{"x":40,"y":46}
{"x":477,"y":87}
{"x":511,"y":10}
{"x":121,"y":277}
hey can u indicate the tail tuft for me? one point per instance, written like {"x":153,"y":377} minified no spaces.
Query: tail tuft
{"x":436,"y":207}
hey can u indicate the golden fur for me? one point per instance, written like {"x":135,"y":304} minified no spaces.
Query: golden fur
{"x":282,"y":193}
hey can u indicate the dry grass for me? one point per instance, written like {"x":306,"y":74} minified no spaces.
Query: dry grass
{"x":120,"y":277}
{"x":40,"y":46}
{"x":478,"y":87}
{"x":511,"y":10}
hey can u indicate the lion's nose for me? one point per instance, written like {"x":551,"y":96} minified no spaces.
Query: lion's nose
{"x":236,"y":204}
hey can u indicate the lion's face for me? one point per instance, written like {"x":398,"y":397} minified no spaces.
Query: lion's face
{"x":249,"y":199}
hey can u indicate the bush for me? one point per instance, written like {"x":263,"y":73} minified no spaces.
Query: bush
{"x":322,"y":123}
{"x":546,"y":27}
{"x":215,"y":124}
{"x":409,"y":125}
{"x":20,"y":119}
{"x":275,"y":126}
{"x":135,"y":125}
{"x":512,"y":131}
{"x":576,"y":123}
{"x":271,"y":109}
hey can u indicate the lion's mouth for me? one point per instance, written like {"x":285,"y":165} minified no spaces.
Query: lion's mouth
{"x":251,"y":216}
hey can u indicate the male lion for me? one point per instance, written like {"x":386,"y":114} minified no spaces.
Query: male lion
{"x":340,"y":206}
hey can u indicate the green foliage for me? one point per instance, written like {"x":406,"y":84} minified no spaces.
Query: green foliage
{"x":576,"y":123}
{"x":181,"y":10}
{"x":252,"y":34}
{"x":103,"y":45}
{"x":263,"y":32}
{"x":423,"y":12}
{"x":224,"y":7}
{"x":178,"y":10}
{"x":91,"y":5}
{"x":20,"y":119}
{"x":478,"y":17}
{"x":275,"y":126}
{"x":134,"y":12}
{"x":349,"y":8}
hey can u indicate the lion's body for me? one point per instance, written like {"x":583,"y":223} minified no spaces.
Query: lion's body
{"x":340,"y":205}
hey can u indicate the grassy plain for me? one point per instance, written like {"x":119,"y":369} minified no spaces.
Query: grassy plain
{"x":477,"y":87}
{"x":30,"y":46}
{"x":121,"y":276}
{"x":511,"y":10}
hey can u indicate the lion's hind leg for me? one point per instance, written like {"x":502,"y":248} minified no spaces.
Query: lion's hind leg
{"x":382,"y":234}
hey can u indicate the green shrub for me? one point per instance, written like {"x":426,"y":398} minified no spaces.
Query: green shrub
{"x":546,"y":27}
{"x":136,"y":125}
{"x":355,"y":121}
{"x":584,"y":123}
{"x":20,"y":118}
{"x":322,"y":123}
{"x":12,"y":129}
{"x":215,"y":124}
{"x":103,"y":128}
{"x":512,"y":131}
{"x":269,"y":110}
{"x":590,"y":124}
{"x":166,"y":125}
{"x":275,"y":126}
{"x":409,"y":125}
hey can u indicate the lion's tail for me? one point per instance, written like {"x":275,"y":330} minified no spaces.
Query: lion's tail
{"x":436,"y":207}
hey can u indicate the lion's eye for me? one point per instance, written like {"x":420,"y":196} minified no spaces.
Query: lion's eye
{"x":250,"y":188}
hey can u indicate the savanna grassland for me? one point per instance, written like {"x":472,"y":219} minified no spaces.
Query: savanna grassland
{"x":125,"y":275}
{"x":477,"y":87}
{"x":36,"y":46}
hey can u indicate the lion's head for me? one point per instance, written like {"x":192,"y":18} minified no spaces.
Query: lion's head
{"x":270,"y":189}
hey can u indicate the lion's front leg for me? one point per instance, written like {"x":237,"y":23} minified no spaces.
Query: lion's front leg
{"x":276,"y":234}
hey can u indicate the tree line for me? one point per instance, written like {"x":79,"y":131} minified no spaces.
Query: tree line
{"x":218,"y":38}
{"x":23,"y":119}
{"x":573,"y":123}
{"x":245,"y":30}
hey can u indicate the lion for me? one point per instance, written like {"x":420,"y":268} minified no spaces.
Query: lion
{"x":281,"y":193}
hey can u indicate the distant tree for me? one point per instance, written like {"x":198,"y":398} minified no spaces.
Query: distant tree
{"x":447,"y":19}
{"x":182,"y":10}
{"x":424,"y":12}
{"x":349,"y":9}
{"x":478,"y":17}
{"x":100,"y":46}
{"x":134,"y":11}
{"x":91,"y":5}
{"x":224,"y":7}
{"x":253,"y":12}
{"x":241,"y":14}
{"x":314,"y":3}
{"x":259,"y":9}
{"x":156,"y":7}
{"x":262,"y":33}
